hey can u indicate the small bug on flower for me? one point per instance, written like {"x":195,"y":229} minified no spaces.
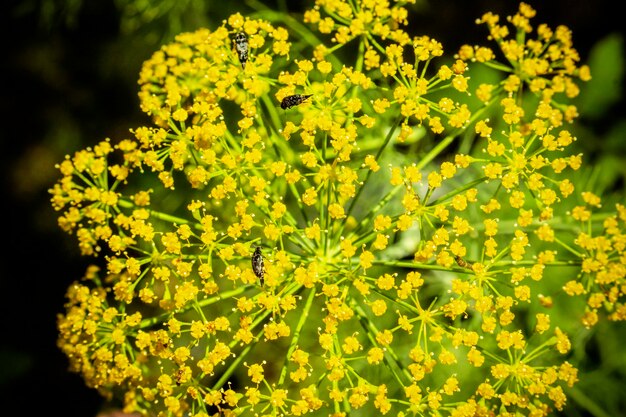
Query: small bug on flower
{"x":257,"y":264}
{"x":290,"y":101}
{"x":178,"y":376}
{"x":462,"y":262}
{"x":241,"y":45}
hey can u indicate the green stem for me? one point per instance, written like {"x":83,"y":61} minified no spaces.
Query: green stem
{"x":413,"y":265}
{"x":368,"y":220}
{"x":369,"y":172}
{"x":492,"y":356}
{"x":394,"y":300}
{"x":235,"y":364}
{"x":298,"y":197}
{"x":568,"y":248}
{"x":156,"y":214}
{"x":534,"y":262}
{"x":200,"y":304}
{"x":497,"y":66}
{"x":272,"y":125}
{"x":323,"y":205}
{"x":529,"y":357}
{"x":586,"y":402}
{"x":445,"y":142}
{"x":458,"y":191}
{"x":360,"y":57}
{"x":390,"y":355}
{"x":296,"y":335}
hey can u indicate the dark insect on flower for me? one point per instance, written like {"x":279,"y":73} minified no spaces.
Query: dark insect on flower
{"x":241,"y":45}
{"x":178,"y":376}
{"x":161,"y":345}
{"x":257,"y":264}
{"x":462,"y":262}
{"x":290,"y":101}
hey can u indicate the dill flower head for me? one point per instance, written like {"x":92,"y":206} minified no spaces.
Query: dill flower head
{"x":269,"y":246}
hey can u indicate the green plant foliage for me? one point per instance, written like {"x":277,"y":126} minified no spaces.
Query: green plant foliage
{"x":605,"y":89}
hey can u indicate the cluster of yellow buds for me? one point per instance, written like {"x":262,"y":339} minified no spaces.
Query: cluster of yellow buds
{"x":298,"y":234}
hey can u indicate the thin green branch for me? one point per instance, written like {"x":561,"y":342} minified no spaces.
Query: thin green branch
{"x":390,"y":356}
{"x":200,"y":304}
{"x":369,"y":172}
{"x":304,"y":315}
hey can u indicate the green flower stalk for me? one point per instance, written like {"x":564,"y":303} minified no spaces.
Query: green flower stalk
{"x":271,"y":247}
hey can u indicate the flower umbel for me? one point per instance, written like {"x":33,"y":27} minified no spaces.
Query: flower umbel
{"x":272,"y":248}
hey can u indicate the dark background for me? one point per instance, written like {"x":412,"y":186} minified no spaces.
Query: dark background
{"x":69,"y":71}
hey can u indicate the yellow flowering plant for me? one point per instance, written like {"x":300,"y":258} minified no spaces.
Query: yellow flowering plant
{"x":295,"y":233}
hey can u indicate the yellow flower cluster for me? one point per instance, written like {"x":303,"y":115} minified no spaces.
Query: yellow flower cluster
{"x":346,"y":20}
{"x":270,"y":249}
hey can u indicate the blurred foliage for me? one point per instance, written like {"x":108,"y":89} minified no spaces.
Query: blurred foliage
{"x":601,"y":133}
{"x":150,"y":16}
{"x":605,"y":88}
{"x":158,"y":20}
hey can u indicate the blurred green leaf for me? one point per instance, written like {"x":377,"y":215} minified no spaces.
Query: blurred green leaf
{"x":604,"y":369}
{"x":405,"y":246}
{"x":607,"y":70}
